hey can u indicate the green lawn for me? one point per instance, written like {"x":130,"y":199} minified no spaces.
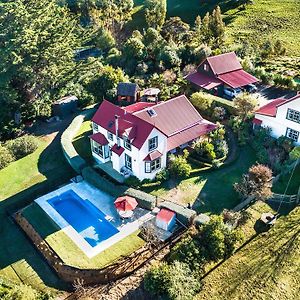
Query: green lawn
{"x":266,"y":268}
{"x":274,"y":19}
{"x":212,"y":191}
{"x":20,"y":183}
{"x":66,"y":248}
{"x":280,"y":186}
{"x":81,"y":141}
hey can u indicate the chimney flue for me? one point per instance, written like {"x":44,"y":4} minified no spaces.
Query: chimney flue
{"x":117,"y":130}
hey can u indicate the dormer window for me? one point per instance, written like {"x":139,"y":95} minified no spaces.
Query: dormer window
{"x":153,"y":143}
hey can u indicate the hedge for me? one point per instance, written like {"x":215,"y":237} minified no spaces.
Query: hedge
{"x":76,"y":162}
{"x":144,"y":200}
{"x":92,"y":177}
{"x":201,"y":219}
{"x":184,"y":215}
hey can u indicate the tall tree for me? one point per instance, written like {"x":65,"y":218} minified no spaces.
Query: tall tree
{"x":155,"y":13}
{"x":37,"y":39}
{"x":245,"y":105}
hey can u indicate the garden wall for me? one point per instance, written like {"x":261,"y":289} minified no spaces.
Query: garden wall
{"x":73,"y":158}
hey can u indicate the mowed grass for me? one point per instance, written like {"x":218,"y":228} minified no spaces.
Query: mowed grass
{"x":20,"y":183}
{"x":212,"y":191}
{"x":81,"y":141}
{"x":266,"y":268}
{"x":266,"y":19}
{"x":68,"y":250}
{"x":282,"y":184}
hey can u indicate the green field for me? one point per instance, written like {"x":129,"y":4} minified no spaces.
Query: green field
{"x":68,"y":251}
{"x":20,"y":183}
{"x":212,"y":191}
{"x":266,"y":268}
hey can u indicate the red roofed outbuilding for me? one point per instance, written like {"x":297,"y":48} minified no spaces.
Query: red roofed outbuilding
{"x":166,"y":219}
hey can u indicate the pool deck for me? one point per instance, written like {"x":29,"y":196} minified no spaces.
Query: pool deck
{"x":103,"y":202}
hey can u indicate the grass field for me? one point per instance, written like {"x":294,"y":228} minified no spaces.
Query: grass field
{"x":212,"y":191}
{"x":266,"y":268}
{"x":68,"y":251}
{"x":20,"y":183}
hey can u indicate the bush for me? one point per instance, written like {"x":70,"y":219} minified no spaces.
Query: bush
{"x":21,"y":292}
{"x":178,"y":165}
{"x":22,"y":146}
{"x":162,"y":175}
{"x":205,"y":150}
{"x":132,"y":181}
{"x":144,"y":200}
{"x":216,"y":164}
{"x":202,"y":101}
{"x":295,"y":153}
{"x":5,"y":157}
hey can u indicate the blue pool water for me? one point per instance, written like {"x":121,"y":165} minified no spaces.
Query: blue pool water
{"x":84,"y":217}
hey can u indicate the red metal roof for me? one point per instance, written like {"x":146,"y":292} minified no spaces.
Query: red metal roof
{"x":138,"y":106}
{"x":165,"y":215}
{"x":224,"y":63}
{"x":105,"y":117}
{"x":203,"y":81}
{"x":237,"y":78}
{"x":256,"y":121}
{"x":190,"y":134}
{"x":172,"y":116}
{"x":153,"y":155}
{"x":118,"y":150}
{"x":99,"y":138}
{"x":270,"y":109}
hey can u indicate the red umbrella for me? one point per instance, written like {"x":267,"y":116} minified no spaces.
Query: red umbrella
{"x":125,"y":203}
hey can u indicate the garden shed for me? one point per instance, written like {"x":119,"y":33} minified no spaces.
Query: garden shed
{"x":65,"y":106}
{"x":166,"y":219}
{"x":128,"y":92}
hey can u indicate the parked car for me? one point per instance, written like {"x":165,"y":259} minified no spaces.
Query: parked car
{"x":231,"y":93}
{"x":250,"y":88}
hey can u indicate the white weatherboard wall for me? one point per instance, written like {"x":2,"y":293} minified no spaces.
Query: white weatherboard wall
{"x":137,"y":155}
{"x":280,"y":123}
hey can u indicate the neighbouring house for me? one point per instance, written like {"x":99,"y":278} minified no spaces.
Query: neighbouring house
{"x":282,"y":116}
{"x":218,"y":72}
{"x":128,"y":92}
{"x":136,"y":139}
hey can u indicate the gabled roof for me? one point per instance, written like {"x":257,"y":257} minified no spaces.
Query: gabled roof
{"x":153,"y":155}
{"x":204,"y":81}
{"x":224,"y":63}
{"x":237,"y":78}
{"x":127,"y":89}
{"x":165,"y":215}
{"x":117,"y":149}
{"x":171,"y":116}
{"x":270,"y":109}
{"x":128,"y":123}
{"x":99,"y":138}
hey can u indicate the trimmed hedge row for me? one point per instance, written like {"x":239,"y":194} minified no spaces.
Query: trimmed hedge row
{"x":184,"y":215}
{"x":144,"y":200}
{"x":75,"y":161}
{"x":92,"y":177}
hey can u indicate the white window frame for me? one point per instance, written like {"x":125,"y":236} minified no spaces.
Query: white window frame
{"x":292,"y":134}
{"x":293,"y":115}
{"x":205,"y":67}
{"x":110,"y":136}
{"x":95,"y":127}
{"x":128,"y":162}
{"x":98,"y":149}
{"x":153,"y":143}
{"x":127,"y":144}
{"x":152,"y":166}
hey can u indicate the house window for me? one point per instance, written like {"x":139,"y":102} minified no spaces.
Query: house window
{"x":293,"y":115}
{"x":98,"y":149}
{"x":95,"y":127}
{"x":127,"y":143}
{"x":205,"y":67}
{"x":128,"y":162}
{"x":292,"y":134}
{"x":153,"y":143}
{"x":151,"y":166}
{"x":110,"y":136}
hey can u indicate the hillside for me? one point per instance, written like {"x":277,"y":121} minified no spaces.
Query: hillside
{"x":266,"y":268}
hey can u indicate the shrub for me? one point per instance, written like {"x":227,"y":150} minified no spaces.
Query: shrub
{"x":21,"y":292}
{"x":216,"y":164}
{"x":144,"y":200}
{"x":202,"y":101}
{"x":22,"y":146}
{"x":157,"y":278}
{"x":178,"y":165}
{"x":5,"y":157}
{"x":219,"y":113}
{"x":295,"y":153}
{"x":132,"y":181}
{"x":221,"y":148}
{"x":205,"y":150}
{"x":162,"y":175}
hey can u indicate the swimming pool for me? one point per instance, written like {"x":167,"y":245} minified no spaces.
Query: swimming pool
{"x":84,"y":217}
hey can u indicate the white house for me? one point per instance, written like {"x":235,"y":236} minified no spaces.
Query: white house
{"x":137,"y":138}
{"x":282,"y":116}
